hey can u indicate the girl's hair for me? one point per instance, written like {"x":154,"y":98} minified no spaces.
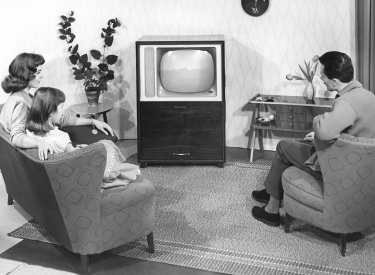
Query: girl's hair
{"x":21,"y":71}
{"x":44,"y":104}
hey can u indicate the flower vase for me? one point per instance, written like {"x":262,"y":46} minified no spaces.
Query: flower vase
{"x":92,"y":94}
{"x":310,"y":92}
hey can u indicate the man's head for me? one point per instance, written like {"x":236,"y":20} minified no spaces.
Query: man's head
{"x":336,"y":67}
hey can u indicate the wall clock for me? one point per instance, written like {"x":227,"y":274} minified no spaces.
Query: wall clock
{"x":255,"y":7}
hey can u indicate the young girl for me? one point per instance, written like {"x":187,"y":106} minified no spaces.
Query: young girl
{"x":45,"y":113}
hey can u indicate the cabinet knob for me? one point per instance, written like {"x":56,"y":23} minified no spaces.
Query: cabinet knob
{"x":290,"y":125}
{"x":290,"y":108}
{"x":290,"y":117}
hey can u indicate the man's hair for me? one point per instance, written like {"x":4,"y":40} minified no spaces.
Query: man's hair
{"x":45,"y":102}
{"x":21,"y":71}
{"x":337,"y":65}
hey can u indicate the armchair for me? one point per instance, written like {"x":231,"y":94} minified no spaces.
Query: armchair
{"x":64,"y":195}
{"x":345,"y":201}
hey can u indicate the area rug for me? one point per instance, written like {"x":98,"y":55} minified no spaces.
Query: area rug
{"x":203,"y":221}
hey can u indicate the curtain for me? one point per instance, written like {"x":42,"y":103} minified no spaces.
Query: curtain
{"x":365,"y":43}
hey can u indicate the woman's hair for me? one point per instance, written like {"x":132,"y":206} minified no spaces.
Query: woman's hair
{"x":337,"y":65}
{"x":21,"y":71}
{"x":44,"y":104}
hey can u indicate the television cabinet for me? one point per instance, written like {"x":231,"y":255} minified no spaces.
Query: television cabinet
{"x":178,"y":123}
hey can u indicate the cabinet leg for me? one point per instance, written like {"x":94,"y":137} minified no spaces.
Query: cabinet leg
{"x":143,"y":164}
{"x":260,"y":139}
{"x":252,"y":146}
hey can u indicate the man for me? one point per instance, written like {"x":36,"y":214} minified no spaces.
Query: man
{"x":353,"y":112}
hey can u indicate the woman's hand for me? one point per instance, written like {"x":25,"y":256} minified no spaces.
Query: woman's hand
{"x":102,"y":126}
{"x":43,"y":149}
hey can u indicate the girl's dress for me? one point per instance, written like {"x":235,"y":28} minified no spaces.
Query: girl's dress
{"x":117,"y":172}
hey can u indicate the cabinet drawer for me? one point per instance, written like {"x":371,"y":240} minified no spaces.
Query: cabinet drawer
{"x":290,"y":124}
{"x":291,"y":117}
{"x":290,"y":109}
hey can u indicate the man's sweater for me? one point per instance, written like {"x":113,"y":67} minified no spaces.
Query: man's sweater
{"x":352,"y":113}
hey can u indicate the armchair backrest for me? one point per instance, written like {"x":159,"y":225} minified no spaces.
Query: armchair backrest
{"x":348,"y":168}
{"x":49,"y":190}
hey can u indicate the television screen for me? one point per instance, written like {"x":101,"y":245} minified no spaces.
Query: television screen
{"x":187,"y":71}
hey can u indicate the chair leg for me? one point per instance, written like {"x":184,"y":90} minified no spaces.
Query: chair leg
{"x":288,"y":221}
{"x":10,"y":200}
{"x":343,"y":244}
{"x":84,"y":264}
{"x":150,"y":241}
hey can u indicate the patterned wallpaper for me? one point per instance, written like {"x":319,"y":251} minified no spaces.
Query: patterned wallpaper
{"x":260,"y":51}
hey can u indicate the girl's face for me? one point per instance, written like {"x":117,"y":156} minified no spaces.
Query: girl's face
{"x":35,"y":83}
{"x":56,"y":116}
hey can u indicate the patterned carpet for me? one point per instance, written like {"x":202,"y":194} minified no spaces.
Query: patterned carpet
{"x":204,"y":221}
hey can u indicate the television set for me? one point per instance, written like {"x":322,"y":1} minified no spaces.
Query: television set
{"x":180,"y":99}
{"x":183,"y":68}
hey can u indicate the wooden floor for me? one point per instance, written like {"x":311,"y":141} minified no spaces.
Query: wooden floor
{"x":14,"y":216}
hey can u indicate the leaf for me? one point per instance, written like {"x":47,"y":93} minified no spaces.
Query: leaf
{"x":111,"y":72}
{"x":69,"y":31}
{"x":84,"y":58}
{"x":79,"y":77}
{"x":95,"y":54}
{"x":71,"y":13}
{"x":73,"y":59}
{"x":103,"y":86}
{"x":72,"y":36}
{"x":69,"y":49}
{"x":64,"y":17}
{"x":307,"y":77}
{"x":71,"y":19}
{"x":62,"y":37}
{"x":75,"y":49}
{"x":88,"y":74}
{"x":66,"y":25}
{"x":86,"y":64}
{"x":112,"y":59}
{"x":102,"y":35}
{"x":62,"y":31}
{"x":111,"y":21}
{"x":108,"y":41}
{"x":103,"y":67}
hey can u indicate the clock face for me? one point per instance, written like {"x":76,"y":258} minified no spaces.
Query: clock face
{"x":255,"y":7}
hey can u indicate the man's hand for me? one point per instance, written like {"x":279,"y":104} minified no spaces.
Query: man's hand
{"x":43,"y":149}
{"x":102,"y":126}
{"x":310,"y":136}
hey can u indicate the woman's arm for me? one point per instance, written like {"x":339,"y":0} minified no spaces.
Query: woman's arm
{"x":100,"y":125}
{"x":74,"y":121}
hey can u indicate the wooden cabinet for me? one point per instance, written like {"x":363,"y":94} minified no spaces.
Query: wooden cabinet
{"x":181,"y":132}
{"x":293,"y":113}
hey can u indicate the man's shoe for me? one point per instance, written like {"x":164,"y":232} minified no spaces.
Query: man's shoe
{"x":261,"y":196}
{"x":270,"y":219}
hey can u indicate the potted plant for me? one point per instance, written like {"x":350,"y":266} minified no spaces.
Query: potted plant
{"x":308,"y":75}
{"x":94,"y":78}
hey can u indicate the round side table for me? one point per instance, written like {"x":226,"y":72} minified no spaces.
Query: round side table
{"x":92,"y":110}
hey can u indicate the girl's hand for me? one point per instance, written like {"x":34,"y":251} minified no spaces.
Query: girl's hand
{"x":102,"y":126}
{"x":43,"y":149}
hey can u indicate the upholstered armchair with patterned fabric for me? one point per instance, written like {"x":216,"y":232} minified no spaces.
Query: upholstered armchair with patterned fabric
{"x":64,"y":195}
{"x":345,"y":201}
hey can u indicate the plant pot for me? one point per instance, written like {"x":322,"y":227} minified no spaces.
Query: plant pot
{"x":310,"y":92}
{"x":92,"y":95}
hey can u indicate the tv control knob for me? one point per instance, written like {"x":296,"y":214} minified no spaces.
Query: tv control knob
{"x":210,"y":92}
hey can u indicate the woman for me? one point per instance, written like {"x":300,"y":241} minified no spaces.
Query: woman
{"x":25,"y":73}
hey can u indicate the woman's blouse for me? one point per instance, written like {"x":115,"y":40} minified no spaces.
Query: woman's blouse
{"x":14,"y":113}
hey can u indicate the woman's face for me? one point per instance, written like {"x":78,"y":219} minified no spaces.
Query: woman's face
{"x":56,"y":116}
{"x":35,"y":83}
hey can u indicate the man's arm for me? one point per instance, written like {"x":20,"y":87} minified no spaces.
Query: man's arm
{"x":330,"y":125}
